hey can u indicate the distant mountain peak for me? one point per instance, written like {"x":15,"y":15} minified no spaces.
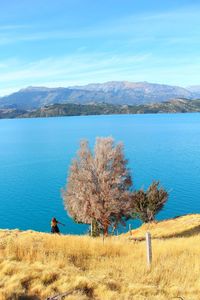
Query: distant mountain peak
{"x":123,"y":85}
{"x":35,"y":89}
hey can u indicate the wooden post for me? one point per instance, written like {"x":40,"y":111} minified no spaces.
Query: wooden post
{"x":130,"y":229}
{"x":149,"y":248}
{"x":91,"y":229}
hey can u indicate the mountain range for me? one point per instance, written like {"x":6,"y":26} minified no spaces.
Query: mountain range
{"x":113,"y":92}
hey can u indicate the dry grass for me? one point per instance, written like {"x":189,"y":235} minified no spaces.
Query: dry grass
{"x":39,"y":265}
{"x":187,"y":225}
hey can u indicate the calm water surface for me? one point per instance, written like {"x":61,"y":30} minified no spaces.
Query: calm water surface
{"x":35,"y":155}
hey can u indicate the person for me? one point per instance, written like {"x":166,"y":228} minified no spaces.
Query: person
{"x":54,"y":226}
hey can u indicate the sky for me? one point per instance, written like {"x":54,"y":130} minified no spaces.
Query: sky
{"x":76,"y":42}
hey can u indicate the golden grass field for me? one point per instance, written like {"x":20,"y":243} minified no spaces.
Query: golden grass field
{"x":37,"y":265}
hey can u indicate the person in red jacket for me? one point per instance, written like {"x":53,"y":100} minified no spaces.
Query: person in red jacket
{"x":54,"y":226}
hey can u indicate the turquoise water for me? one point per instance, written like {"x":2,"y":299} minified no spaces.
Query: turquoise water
{"x":35,"y":155}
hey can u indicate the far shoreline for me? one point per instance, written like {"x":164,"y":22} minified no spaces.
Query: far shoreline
{"x":109,"y":115}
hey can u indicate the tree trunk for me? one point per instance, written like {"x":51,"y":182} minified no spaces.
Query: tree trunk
{"x":94,"y":228}
{"x":105,"y":228}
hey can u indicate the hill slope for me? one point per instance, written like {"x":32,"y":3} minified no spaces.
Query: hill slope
{"x":56,"y":110}
{"x":39,"y":265}
{"x":183,"y":226}
{"x":195,"y":90}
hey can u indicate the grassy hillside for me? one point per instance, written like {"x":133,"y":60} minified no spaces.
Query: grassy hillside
{"x":174,"y":106}
{"x":187,"y":225}
{"x":70,"y":109}
{"x":40,"y":265}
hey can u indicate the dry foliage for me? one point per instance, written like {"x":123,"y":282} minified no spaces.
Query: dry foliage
{"x":98,"y":184}
{"x":40,"y":265}
{"x":146,"y":204}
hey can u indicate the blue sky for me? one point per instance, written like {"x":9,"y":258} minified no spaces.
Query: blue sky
{"x":74,"y":42}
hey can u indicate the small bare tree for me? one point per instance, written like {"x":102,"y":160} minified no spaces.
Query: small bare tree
{"x":98,"y":185}
{"x":146,"y":204}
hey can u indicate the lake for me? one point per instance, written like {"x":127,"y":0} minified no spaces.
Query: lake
{"x":35,"y":155}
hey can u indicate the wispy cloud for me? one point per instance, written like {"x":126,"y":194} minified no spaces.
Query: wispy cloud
{"x":67,"y":64}
{"x":151,"y":46}
{"x":78,"y":68}
{"x":142,"y":25}
{"x":10,"y":27}
{"x":83,"y":68}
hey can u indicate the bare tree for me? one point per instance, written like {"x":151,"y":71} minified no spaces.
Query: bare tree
{"x":98,"y":186}
{"x":146,"y":204}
